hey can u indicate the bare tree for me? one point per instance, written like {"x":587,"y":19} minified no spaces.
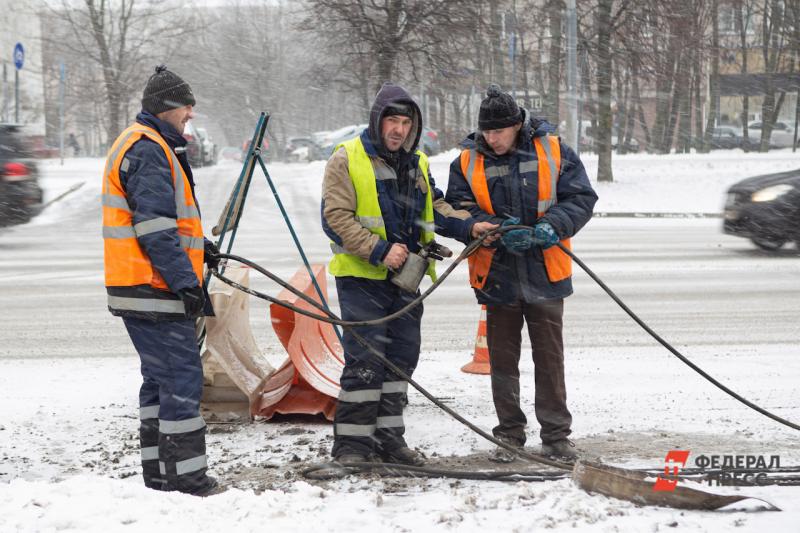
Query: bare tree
{"x":385,"y":34}
{"x":122,"y":38}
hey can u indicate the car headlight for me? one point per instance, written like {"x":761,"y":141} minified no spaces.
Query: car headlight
{"x":769,"y":194}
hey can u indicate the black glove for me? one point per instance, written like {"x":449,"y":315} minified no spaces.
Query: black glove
{"x":194,"y":299}
{"x":211,"y":255}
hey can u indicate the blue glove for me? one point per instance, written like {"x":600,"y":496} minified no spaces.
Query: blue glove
{"x":516,"y":240}
{"x":544,"y":235}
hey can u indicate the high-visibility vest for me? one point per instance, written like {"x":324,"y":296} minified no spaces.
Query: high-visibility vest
{"x":126,"y":264}
{"x":548,"y":151}
{"x":368,"y":213}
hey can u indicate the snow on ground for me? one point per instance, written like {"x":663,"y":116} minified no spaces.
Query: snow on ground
{"x":68,"y":420}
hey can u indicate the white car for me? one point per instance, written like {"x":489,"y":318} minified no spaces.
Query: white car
{"x":209,"y":149}
{"x":782,"y":135}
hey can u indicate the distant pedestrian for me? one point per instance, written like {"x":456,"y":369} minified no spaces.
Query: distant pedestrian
{"x":154,"y":255}
{"x":72,"y":142}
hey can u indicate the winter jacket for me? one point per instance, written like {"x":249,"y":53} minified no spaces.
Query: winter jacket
{"x":400,"y":192}
{"x":514,"y":278}
{"x":150,"y":194}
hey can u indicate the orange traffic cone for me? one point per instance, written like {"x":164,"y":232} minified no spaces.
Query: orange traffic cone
{"x":480,"y":358}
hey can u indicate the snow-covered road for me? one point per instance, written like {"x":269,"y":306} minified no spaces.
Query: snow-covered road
{"x":69,"y":375}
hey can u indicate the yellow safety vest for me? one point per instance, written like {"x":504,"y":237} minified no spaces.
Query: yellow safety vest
{"x":368,"y":213}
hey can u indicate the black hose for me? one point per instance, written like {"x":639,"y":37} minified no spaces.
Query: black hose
{"x":331,"y":318}
{"x":386,"y":362}
{"x":669,"y":347}
{"x":337,"y":470}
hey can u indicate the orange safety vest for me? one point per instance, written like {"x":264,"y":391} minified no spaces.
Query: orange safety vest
{"x":126,"y":264}
{"x":548,"y":152}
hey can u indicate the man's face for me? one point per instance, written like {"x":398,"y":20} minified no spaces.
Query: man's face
{"x":501,"y":141}
{"x":394,"y":130}
{"x":177,"y":118}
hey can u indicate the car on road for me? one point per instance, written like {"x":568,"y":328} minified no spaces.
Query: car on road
{"x":209,"y":149}
{"x":20,"y":194}
{"x":726,"y":138}
{"x":765,"y":209}
{"x":429,"y":141}
{"x":194,"y":145}
{"x":782,"y":135}
{"x":332,"y":139}
{"x":302,"y":149}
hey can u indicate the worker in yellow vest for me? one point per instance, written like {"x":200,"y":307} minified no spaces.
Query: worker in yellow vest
{"x":380,"y":203}
{"x":513,"y":170}
{"x":154,"y":254}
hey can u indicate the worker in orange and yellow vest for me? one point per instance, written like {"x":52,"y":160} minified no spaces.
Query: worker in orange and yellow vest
{"x":154,"y":254}
{"x":513,"y":171}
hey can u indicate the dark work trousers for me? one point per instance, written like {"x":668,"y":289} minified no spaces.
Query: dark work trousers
{"x":172,"y":432}
{"x":503,"y":335}
{"x":369,"y":413}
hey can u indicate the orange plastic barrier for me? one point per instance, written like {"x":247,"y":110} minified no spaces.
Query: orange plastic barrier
{"x":480,"y":358}
{"x":308,"y":382}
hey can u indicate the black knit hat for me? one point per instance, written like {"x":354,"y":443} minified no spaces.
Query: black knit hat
{"x":498,"y":110}
{"x":398,"y":108}
{"x":166,"y":90}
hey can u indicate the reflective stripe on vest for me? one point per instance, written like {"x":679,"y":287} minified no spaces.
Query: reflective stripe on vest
{"x":368,"y":213}
{"x":548,"y":151}
{"x":126,"y":264}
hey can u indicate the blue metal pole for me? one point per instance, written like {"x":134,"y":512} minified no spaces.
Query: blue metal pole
{"x":297,"y":241}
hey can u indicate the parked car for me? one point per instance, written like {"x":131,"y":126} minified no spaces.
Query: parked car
{"x":782,"y":135}
{"x":194,"y":145}
{"x":302,"y":149}
{"x":332,"y":139}
{"x":20,"y":194}
{"x":586,"y":138}
{"x":208,"y":148}
{"x":429,"y":141}
{"x":765,"y":209}
{"x":726,"y":137}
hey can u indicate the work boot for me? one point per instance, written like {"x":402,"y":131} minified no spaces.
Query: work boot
{"x":404,"y":456}
{"x":503,"y":455}
{"x":560,"y":449}
{"x":350,"y":458}
{"x":210,"y":487}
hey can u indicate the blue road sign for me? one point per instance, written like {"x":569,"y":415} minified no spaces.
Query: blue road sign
{"x":19,"y":55}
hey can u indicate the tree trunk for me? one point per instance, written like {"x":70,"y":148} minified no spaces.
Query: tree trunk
{"x":496,"y":37}
{"x":604,"y":73}
{"x":555,"y":9}
{"x":713,"y":80}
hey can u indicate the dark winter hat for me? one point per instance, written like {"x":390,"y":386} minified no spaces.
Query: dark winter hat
{"x":498,"y":110}
{"x":398,"y":108}
{"x":166,"y":90}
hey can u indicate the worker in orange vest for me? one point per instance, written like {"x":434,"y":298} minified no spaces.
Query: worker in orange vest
{"x":514,"y":171}
{"x":154,"y":254}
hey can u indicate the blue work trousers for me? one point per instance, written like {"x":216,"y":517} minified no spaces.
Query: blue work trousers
{"x":369,"y":413}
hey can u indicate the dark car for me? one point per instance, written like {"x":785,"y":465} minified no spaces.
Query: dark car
{"x":20,"y":194}
{"x":726,"y":138}
{"x":194,"y":146}
{"x":765,"y":209}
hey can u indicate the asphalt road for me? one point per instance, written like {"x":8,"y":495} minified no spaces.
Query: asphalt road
{"x":692,"y":284}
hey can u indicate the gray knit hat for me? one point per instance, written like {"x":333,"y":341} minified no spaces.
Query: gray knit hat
{"x":166,"y":90}
{"x":498,"y":110}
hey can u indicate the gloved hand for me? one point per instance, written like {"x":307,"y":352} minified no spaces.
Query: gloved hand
{"x":193,"y":299}
{"x":544,"y":235}
{"x":211,"y":255}
{"x":516,"y":240}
